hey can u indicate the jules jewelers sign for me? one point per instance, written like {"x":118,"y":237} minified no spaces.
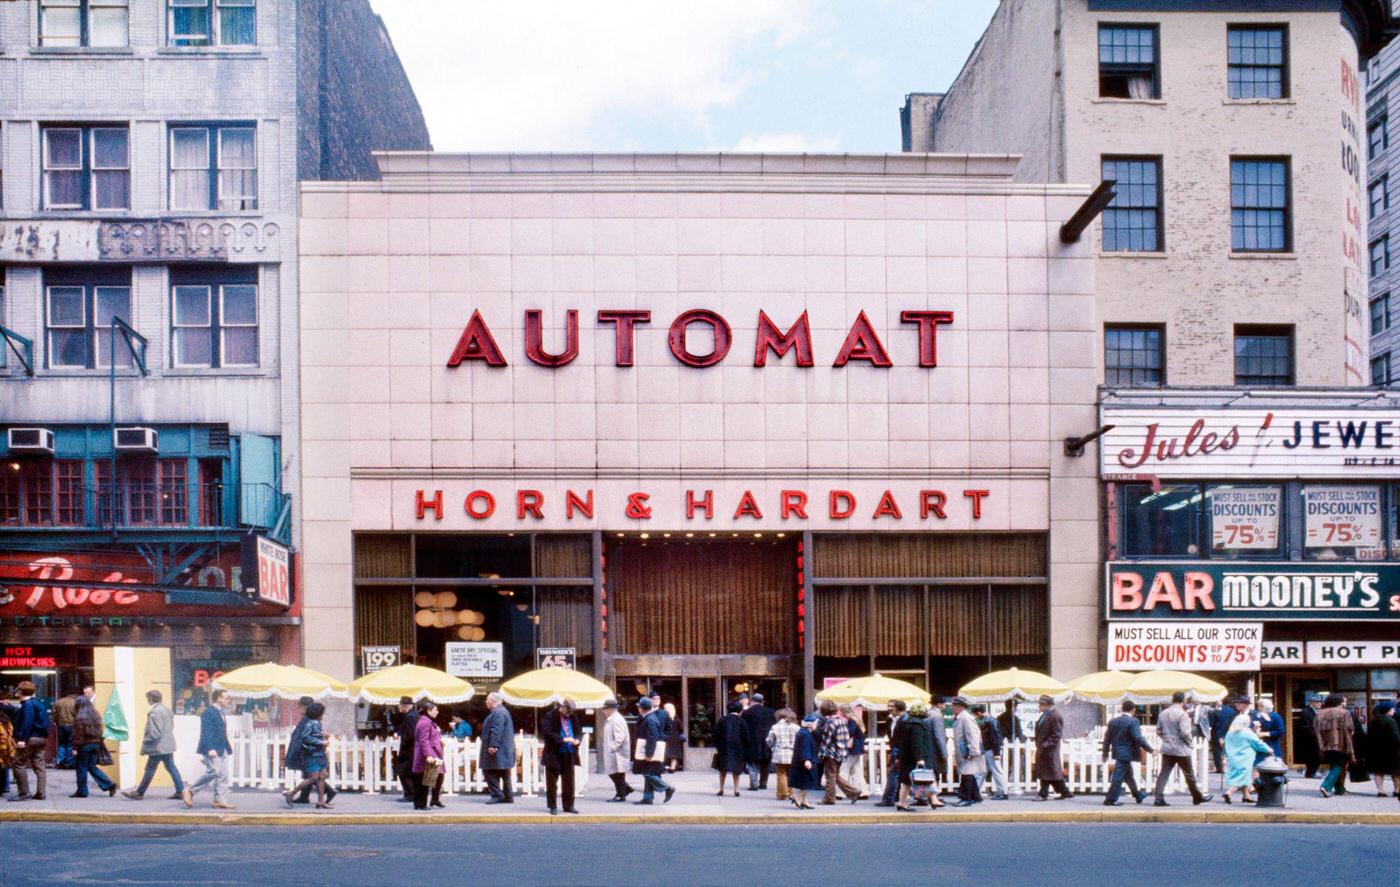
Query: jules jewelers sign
{"x":1224,"y":590}
{"x":1225,"y":443}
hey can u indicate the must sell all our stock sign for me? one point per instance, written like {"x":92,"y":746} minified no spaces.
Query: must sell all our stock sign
{"x":1187,"y":646}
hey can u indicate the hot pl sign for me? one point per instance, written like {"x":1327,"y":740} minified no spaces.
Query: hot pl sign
{"x":1231,"y":590}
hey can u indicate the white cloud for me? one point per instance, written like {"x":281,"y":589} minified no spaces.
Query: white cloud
{"x":533,"y":75}
{"x":787,"y":143}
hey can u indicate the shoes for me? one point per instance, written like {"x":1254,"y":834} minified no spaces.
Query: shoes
{"x":828,"y":803}
{"x":613,"y":800}
{"x":884,"y":804}
{"x":218,"y":805}
{"x":112,"y":790}
{"x":670,"y":793}
{"x":1202,"y":799}
{"x":1141,"y":796}
{"x":1113,"y":803}
{"x":78,"y":795}
{"x":736,"y":793}
{"x":1160,"y":804}
{"x":404,"y":800}
{"x":188,"y":797}
{"x":499,"y":801}
{"x":553,"y":811}
{"x":1228,"y":801}
{"x":325,"y":806}
{"x":855,"y":800}
{"x":1325,"y":794}
{"x":287,"y":796}
{"x":905,"y":809}
{"x":133,"y":794}
{"x":176,"y":797}
{"x":1064,"y":797}
{"x":1001,"y":798}
{"x":566,"y":810}
{"x":642,"y":803}
{"x":720,"y":793}
{"x":40,"y":797}
{"x":1040,"y":798}
{"x":963,"y":803}
{"x":434,"y":804}
{"x":753,"y":788}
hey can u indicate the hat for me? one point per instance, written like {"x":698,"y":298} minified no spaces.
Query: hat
{"x":26,"y":687}
{"x":811,"y":718}
{"x":979,"y":708}
{"x":1046,"y":700}
{"x":1240,"y":700}
{"x":1385,"y":705}
{"x":405,"y":700}
{"x":644,"y":703}
{"x":1313,"y":697}
{"x":610,"y":702}
{"x":960,"y":700}
{"x":654,"y":693}
{"x":305,"y":701}
{"x":757,"y":697}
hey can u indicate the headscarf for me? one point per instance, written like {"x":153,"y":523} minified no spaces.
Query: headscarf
{"x":1240,"y":724}
{"x":1266,"y":706}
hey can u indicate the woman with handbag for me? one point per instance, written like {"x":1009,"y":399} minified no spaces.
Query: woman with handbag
{"x":310,"y":754}
{"x":87,"y":738}
{"x":915,"y":753}
{"x":427,"y":758}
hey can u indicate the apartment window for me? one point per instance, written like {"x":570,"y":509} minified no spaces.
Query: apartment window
{"x":79,"y":308}
{"x":1377,"y":136}
{"x":83,"y":23}
{"x":149,"y":492}
{"x":213,"y":23}
{"x":215,"y":321}
{"x":1128,"y":62}
{"x":213,"y":167}
{"x":1132,"y":355}
{"x":41,"y":492}
{"x":1380,"y":314}
{"x":1380,"y":370}
{"x":1133,"y":220}
{"x":1380,"y":256}
{"x":86,"y":167}
{"x":1258,"y":61}
{"x":1259,"y":205}
{"x":1264,"y":355}
{"x":1379,"y":194}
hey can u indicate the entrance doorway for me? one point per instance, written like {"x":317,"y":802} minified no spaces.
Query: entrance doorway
{"x":1290,"y":690}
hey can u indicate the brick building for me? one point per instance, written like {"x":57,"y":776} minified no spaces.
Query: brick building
{"x":1383,"y":211}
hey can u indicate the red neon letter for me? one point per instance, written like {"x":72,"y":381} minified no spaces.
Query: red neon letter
{"x":888,"y":507}
{"x":534,"y":339}
{"x":487,"y":508}
{"x":625,"y":320}
{"x":847,"y":506}
{"x":529,"y":501}
{"x":976,"y":496}
{"x":572,"y":502}
{"x":794,"y":502}
{"x":932,"y":502}
{"x":477,"y":343}
{"x":928,"y":322}
{"x":799,"y":336}
{"x":707,"y":502}
{"x":723,"y":337}
{"x":862,"y":343}
{"x":748,"y":507}
{"x":434,"y":503}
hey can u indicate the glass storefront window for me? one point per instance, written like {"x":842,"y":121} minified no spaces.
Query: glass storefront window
{"x":1342,"y":522}
{"x":1164,"y":523}
{"x":1351,"y":679}
{"x":1385,"y":678}
{"x":1245,"y":521}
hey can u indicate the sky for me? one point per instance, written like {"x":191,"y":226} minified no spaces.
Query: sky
{"x":712,"y":75}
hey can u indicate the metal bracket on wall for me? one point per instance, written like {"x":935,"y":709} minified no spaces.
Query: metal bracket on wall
{"x":22,"y":347}
{"x":1095,"y":203}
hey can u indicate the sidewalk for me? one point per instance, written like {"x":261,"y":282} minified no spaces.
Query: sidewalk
{"x":695,"y":803}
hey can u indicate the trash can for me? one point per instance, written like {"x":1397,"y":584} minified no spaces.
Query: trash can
{"x":1272,"y":782}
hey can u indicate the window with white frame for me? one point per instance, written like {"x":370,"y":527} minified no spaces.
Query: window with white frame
{"x":212,"y":23}
{"x":98,"y":23}
{"x":79,"y":306}
{"x":214,"y":320}
{"x":86,"y":167}
{"x":213,"y":167}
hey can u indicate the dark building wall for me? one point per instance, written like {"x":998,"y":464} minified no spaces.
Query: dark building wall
{"x":353,"y":96}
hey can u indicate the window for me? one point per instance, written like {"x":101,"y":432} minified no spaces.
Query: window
{"x":213,"y":167}
{"x":1380,"y":370}
{"x":1128,"y":62}
{"x":86,"y":167}
{"x":4,"y":346}
{"x":83,"y":22}
{"x":1380,"y":314}
{"x":78,"y":317}
{"x":215,"y":322}
{"x":1264,"y":355}
{"x":41,"y":492}
{"x":1258,"y":59}
{"x":149,"y":492}
{"x":1259,"y":205}
{"x":1165,"y":523}
{"x":213,"y":23}
{"x":1132,"y":355}
{"x":1379,"y":194}
{"x":1380,"y":256}
{"x":1133,"y":220}
{"x":1377,"y":136}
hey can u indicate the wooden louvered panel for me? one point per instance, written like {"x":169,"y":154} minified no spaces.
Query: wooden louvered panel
{"x":951,"y":555}
{"x":693,"y":598}
{"x":899,"y":621}
{"x":385,"y":616}
{"x":1019,"y":621}
{"x":960,"y":624}
{"x":956,"y":621}
{"x":382,"y":556}
{"x":563,"y":557}
{"x":566,"y":616}
{"x":841,"y":628}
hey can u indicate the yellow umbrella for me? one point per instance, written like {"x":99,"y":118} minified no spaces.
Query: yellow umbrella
{"x":286,"y":681}
{"x":384,"y":687}
{"x":875,"y":690}
{"x":546,"y":686}
{"x":1103,"y":687}
{"x":1013,"y":683}
{"x":1157,"y":687}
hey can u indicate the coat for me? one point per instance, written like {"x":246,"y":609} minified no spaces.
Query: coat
{"x":407,"y":730}
{"x":295,"y":758}
{"x":804,"y":752}
{"x":991,"y":734}
{"x":64,"y":710}
{"x":213,"y":732}
{"x":675,"y":740}
{"x":758,"y":720}
{"x":857,"y":737}
{"x":938,"y":741}
{"x":1305,"y":746}
{"x":1240,"y":749}
{"x":614,"y":751}
{"x":159,"y":738}
{"x":1123,"y":740}
{"x":967,"y":745}
{"x":914,"y":745}
{"x":87,"y":728}
{"x":1175,"y":731}
{"x":1334,"y":731}
{"x":556,"y":753}
{"x":650,"y":732}
{"x":780,"y":740}
{"x":1383,"y":746}
{"x":427,"y":743}
{"x":731,"y":744}
{"x":313,"y":747}
{"x":1272,"y":724}
{"x":1049,"y":730}
{"x":498,"y":732}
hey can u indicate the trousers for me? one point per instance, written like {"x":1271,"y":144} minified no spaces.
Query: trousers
{"x":1122,"y":772}
{"x":557,"y":776}
{"x":1336,"y":779}
{"x":891,"y":784}
{"x":853,"y":771}
{"x":215,"y":775}
{"x":1057,"y":784}
{"x":993,"y":773}
{"x":498,"y":783}
{"x":154,"y":761}
{"x":421,"y":791}
{"x":1187,"y":772}
{"x":831,"y":774}
{"x":781,"y":771}
{"x":653,"y":783}
{"x":758,"y":774}
{"x":87,"y":766}
{"x":30,"y":758}
{"x":619,"y":781}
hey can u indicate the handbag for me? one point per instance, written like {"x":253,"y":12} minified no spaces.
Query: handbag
{"x":922,"y":776}
{"x":1356,"y":772}
{"x":430,"y":772}
{"x":104,"y":756}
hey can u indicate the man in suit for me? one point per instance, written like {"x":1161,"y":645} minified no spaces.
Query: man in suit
{"x":1049,"y":765}
{"x":403,"y":761}
{"x":650,"y":733}
{"x":560,"y":730}
{"x":1177,"y":732}
{"x":1305,"y":747}
{"x":214,"y":749}
{"x":758,"y":720}
{"x":1124,"y":742}
{"x":498,"y":750}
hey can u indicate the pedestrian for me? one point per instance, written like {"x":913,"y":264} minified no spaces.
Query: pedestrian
{"x":406,"y":726}
{"x":310,"y":755}
{"x":758,"y":719}
{"x":1124,"y":742}
{"x":1049,"y":765}
{"x":1305,"y":747}
{"x":1383,"y":747}
{"x":1241,"y":748}
{"x":967,"y":746}
{"x":64,"y":711}
{"x":1176,"y":732}
{"x":1221,"y":721}
{"x":31,"y":736}
{"x":7,"y":748}
{"x":833,"y":745}
{"x":213,"y":749}
{"x":1357,"y":770}
{"x":461,"y":727}
{"x":158,"y":745}
{"x":914,"y":750}
{"x":560,"y":731}
{"x":427,"y":758}
{"x":1009,"y":724}
{"x":614,"y":750}
{"x":87,"y":742}
{"x":295,"y":758}
{"x":497,"y":757}
{"x":731,"y":747}
{"x":650,"y":733}
{"x":937,"y":728}
{"x":804,"y":774}
{"x":1334,"y":738}
{"x":895,"y":714}
{"x":991,"y":751}
{"x":1268,"y":726}
{"x":675,"y":740}
{"x":779,"y":741}
{"x":853,"y":768}
{"x":663,"y":716}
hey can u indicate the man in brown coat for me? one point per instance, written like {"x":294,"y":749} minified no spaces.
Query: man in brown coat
{"x":1334,"y":737}
{"x":1049,"y":768}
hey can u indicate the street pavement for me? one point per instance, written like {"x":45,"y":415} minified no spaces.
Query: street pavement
{"x":619,"y":856}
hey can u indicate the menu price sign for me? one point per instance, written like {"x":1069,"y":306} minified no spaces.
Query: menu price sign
{"x":1344,"y":517}
{"x":379,"y":657}
{"x":556,"y":657}
{"x":475,"y":659}
{"x":1244,"y":518}
{"x":1185,"y":646}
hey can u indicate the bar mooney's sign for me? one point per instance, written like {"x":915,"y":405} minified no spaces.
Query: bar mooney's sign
{"x":1227,"y":443}
{"x":1220,"y":590}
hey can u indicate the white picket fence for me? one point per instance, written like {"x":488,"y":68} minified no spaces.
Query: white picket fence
{"x":367,"y":764}
{"x":1085,"y":769}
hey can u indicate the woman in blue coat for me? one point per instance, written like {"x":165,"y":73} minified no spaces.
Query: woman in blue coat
{"x":803,"y":773}
{"x":1268,"y":726}
{"x":1241,"y":749}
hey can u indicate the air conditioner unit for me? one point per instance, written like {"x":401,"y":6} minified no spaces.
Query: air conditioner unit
{"x":30,"y":440}
{"x":135,"y":440}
